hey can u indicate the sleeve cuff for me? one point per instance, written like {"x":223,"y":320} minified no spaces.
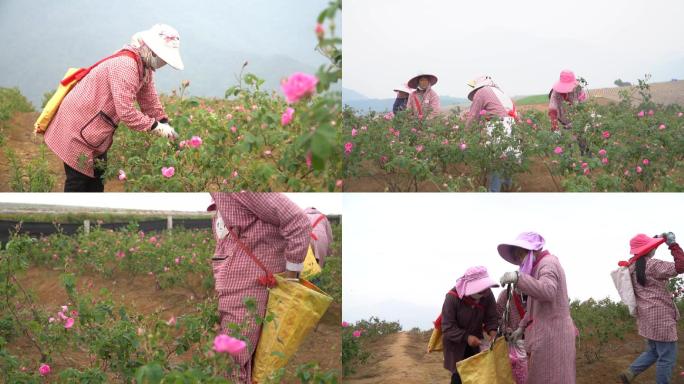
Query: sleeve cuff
{"x":295,"y":267}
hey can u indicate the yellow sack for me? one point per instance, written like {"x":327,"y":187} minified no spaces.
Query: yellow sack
{"x":491,"y":366}
{"x":297,"y":307}
{"x":435,"y":343}
{"x":311,"y":267}
{"x":53,"y":104}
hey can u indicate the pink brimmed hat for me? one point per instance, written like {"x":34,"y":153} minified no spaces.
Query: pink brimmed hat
{"x":475,"y":280}
{"x":566,"y":83}
{"x":642,"y":244}
{"x":531,"y":241}
{"x":413,"y":83}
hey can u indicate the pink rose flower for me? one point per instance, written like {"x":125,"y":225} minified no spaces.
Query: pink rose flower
{"x":558,"y":150}
{"x":356,"y":333}
{"x":320,"y":31}
{"x":602,"y":152}
{"x":650,"y":112}
{"x":662,"y":126}
{"x":587,"y":171}
{"x":153,"y":239}
{"x":177,"y":260}
{"x":168,"y":171}
{"x":348,"y":146}
{"x":419,"y":148}
{"x":122,"y":175}
{"x":51,"y":320}
{"x":172,"y":321}
{"x":483,"y":112}
{"x":233,"y":129}
{"x":604,"y":161}
{"x":226,"y":344}
{"x":345,"y":324}
{"x":389,"y":116}
{"x":463,"y":146}
{"x":287,"y":116}
{"x":339,"y":183}
{"x":638,"y":169}
{"x":195,"y":141}
{"x":445,"y":142}
{"x":680,"y":114}
{"x":299,"y":85}
{"x":308,"y":160}
{"x":354,"y":132}
{"x":646,"y":162}
{"x":120,"y":255}
{"x":641,"y":114}
{"x":44,"y":370}
{"x":585,"y":165}
{"x":606,"y":134}
{"x":529,"y":121}
{"x":69,"y":322}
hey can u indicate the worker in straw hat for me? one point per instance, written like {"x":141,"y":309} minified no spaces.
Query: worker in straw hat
{"x":656,"y":312}
{"x":423,"y":101}
{"x":401,"y":100}
{"x":493,"y":107}
{"x":83,"y":128}
{"x":257,"y":235}
{"x":468,"y":309}
{"x":547,"y":326}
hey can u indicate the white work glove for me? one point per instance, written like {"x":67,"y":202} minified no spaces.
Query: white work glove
{"x":165,"y":130}
{"x":517,"y":335}
{"x":509,"y":278}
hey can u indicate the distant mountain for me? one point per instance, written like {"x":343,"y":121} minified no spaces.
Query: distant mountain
{"x":382,"y":105}
{"x":350,"y":94}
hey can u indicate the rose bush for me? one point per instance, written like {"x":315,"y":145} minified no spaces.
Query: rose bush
{"x":630,"y":147}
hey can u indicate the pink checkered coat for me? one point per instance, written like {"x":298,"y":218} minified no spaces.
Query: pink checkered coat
{"x":84,"y":126}
{"x":429,"y":102}
{"x":277,"y":231}
{"x":321,"y":238}
{"x":657,"y":314}
{"x":550,"y":337}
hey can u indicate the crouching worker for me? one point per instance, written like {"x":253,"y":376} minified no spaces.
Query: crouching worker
{"x":656,"y":313}
{"x":469,"y":308}
{"x":257,"y":235}
{"x":83,"y":128}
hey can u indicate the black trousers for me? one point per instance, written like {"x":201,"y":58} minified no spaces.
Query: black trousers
{"x":469,"y":351}
{"x":78,"y":182}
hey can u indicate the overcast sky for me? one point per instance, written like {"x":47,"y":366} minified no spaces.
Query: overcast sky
{"x":328,"y":203}
{"x":523,"y":44}
{"x":403,"y":252}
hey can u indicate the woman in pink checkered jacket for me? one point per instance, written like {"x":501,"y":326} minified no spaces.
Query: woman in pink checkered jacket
{"x":276,"y":233}
{"x":83,"y":128}
{"x":657,"y":314}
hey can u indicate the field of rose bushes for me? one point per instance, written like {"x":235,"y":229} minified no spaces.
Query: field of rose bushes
{"x":87,"y":329}
{"x":632,"y":147}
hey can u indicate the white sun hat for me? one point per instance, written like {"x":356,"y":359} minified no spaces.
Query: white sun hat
{"x":164,"y":41}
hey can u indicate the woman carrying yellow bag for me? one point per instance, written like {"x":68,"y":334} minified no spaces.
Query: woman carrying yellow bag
{"x":257,"y":235}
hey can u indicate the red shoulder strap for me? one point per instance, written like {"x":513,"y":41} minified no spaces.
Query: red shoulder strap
{"x":518,"y":305}
{"x":268,"y":280}
{"x":81,"y":73}
{"x":417,"y":102}
{"x":315,"y":223}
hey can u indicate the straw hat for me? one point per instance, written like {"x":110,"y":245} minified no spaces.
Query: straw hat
{"x":413,"y":83}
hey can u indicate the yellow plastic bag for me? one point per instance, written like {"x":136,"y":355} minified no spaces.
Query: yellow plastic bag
{"x":297,"y":307}
{"x":435,"y":343}
{"x":491,"y":366}
{"x":53,"y":104}
{"x":311,"y":267}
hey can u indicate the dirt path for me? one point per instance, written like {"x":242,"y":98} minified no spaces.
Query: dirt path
{"x":401,"y":358}
{"x":18,"y":134}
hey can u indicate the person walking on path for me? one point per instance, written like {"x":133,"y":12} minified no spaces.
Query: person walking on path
{"x":82,"y":130}
{"x":547,"y":327}
{"x":656,"y":312}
